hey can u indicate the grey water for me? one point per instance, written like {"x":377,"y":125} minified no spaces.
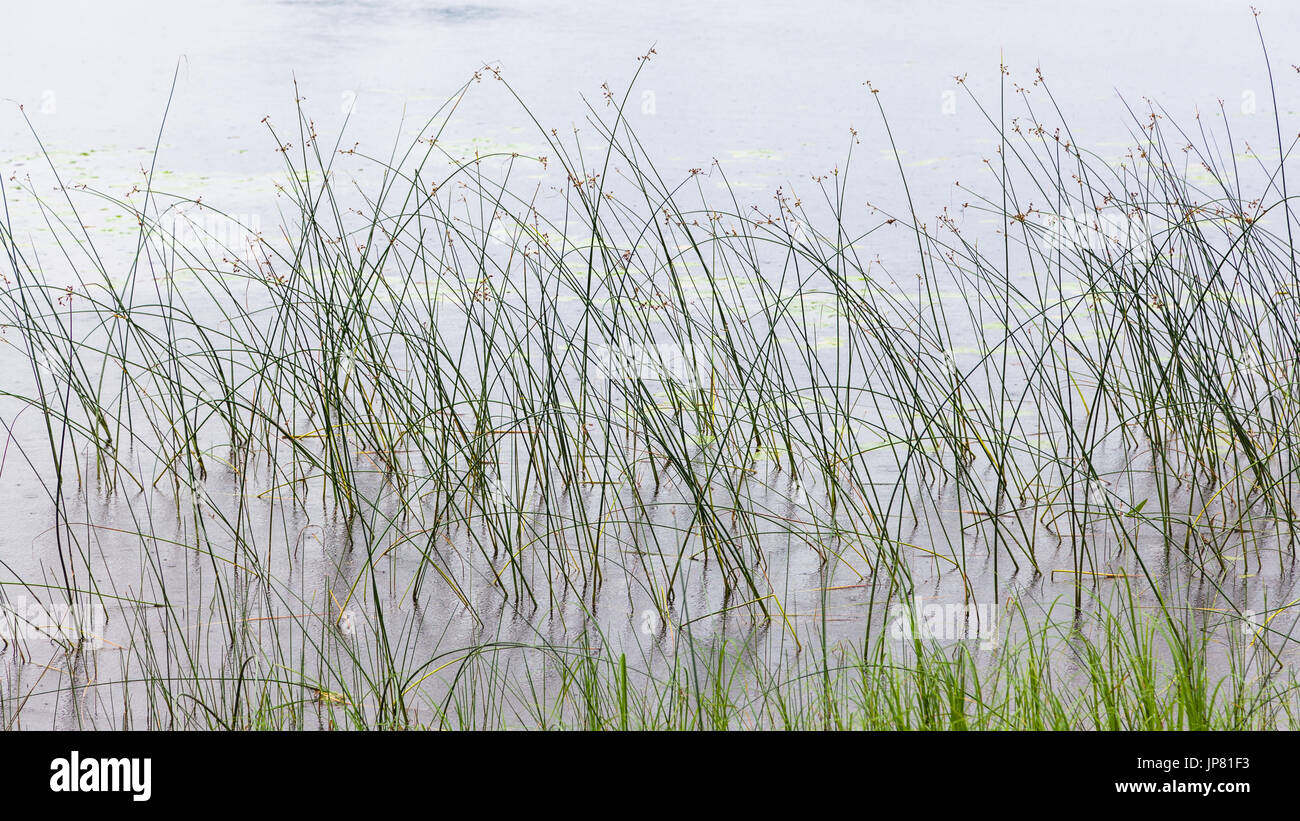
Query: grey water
{"x":775,"y":93}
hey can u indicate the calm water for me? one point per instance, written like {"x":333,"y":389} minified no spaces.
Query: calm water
{"x":770,"y":91}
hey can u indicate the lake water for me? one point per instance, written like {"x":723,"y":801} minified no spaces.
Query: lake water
{"x":770,"y":90}
{"x":773,"y":93}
